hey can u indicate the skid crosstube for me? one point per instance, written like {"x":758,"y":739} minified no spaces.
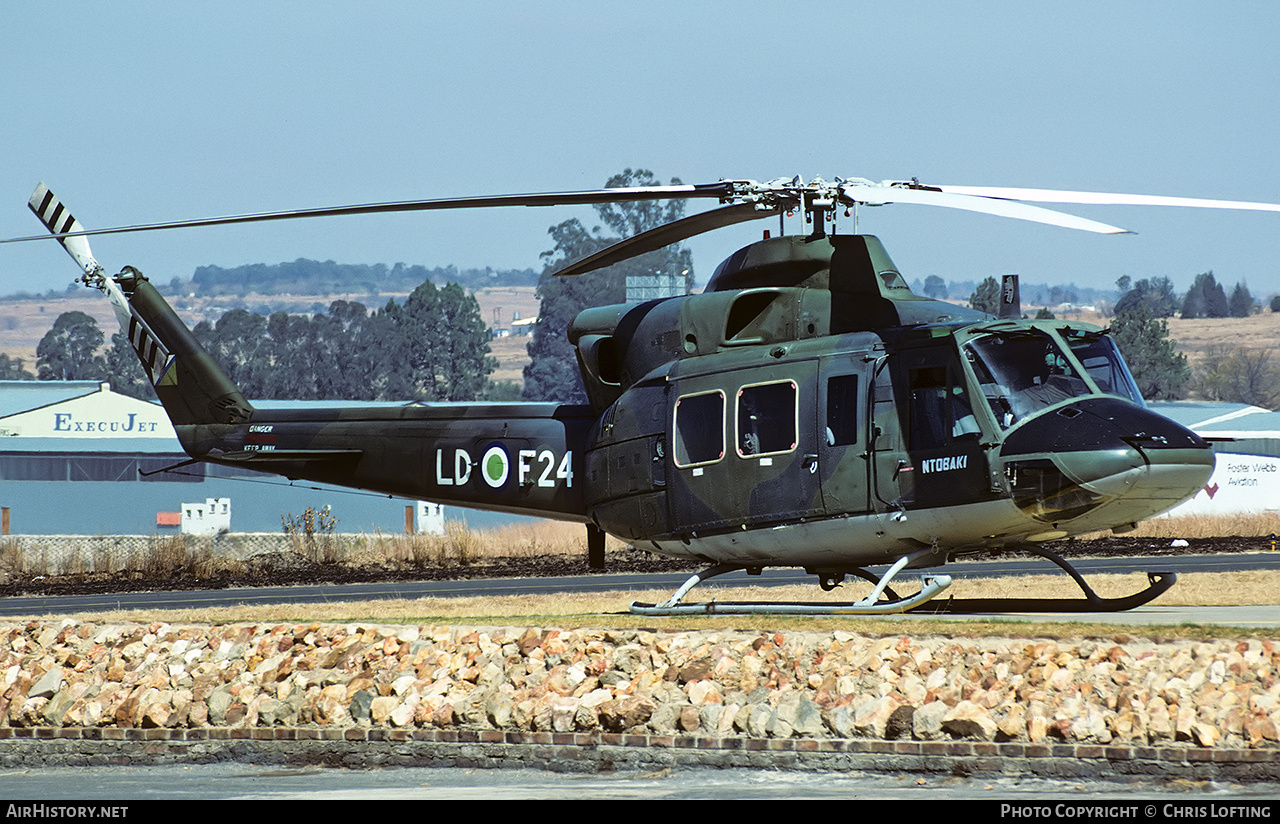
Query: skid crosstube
{"x":930,"y":587}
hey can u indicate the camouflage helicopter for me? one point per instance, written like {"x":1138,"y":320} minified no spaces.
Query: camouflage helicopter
{"x":805,"y":410}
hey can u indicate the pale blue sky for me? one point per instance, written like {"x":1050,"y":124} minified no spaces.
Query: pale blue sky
{"x":148,"y":111}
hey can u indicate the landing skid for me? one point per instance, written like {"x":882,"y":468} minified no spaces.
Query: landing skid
{"x":931,"y":586}
{"x":1091,"y":602}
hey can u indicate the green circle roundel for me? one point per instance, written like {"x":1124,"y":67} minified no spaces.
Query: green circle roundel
{"x":495,"y":466}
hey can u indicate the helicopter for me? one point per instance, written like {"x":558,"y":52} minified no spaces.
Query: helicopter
{"x":806,"y":409}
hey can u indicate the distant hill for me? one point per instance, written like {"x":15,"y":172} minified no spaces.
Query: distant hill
{"x":313,"y":277}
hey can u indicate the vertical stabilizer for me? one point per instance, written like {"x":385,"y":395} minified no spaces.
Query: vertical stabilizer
{"x":192,"y":387}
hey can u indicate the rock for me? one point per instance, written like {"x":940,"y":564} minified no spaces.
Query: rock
{"x":872,"y":717}
{"x":47,"y":685}
{"x":360,"y":705}
{"x":622,"y":714}
{"x":969,"y":720}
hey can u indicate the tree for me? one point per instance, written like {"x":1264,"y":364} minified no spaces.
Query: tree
{"x":448,"y":343}
{"x":552,"y":373}
{"x":935,"y":287}
{"x":1241,"y":303}
{"x":1205,"y":299}
{"x":69,"y":351}
{"x":1156,"y":294}
{"x":125,"y":371}
{"x":1158,"y":368}
{"x":234,"y":342}
{"x":13,"y":369}
{"x":1240,"y":375}
{"x":987,"y":297}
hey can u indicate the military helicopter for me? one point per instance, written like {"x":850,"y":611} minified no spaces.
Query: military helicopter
{"x":805,"y":410}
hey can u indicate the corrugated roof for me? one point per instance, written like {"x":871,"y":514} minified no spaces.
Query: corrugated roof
{"x":23,"y":396}
{"x":1228,"y":420}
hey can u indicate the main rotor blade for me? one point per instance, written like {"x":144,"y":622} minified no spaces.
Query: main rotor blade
{"x":877,"y":195}
{"x":1106,"y":198}
{"x":667,"y":234}
{"x":590,"y":197}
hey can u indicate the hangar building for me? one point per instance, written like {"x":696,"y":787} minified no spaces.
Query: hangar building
{"x":70,"y":455}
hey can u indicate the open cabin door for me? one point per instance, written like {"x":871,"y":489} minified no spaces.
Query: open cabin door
{"x":927,"y":448}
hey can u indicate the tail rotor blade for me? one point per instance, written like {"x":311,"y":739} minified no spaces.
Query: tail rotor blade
{"x":59,"y":221}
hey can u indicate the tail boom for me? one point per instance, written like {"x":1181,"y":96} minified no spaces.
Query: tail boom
{"x":519,"y":458}
{"x":522,"y":458}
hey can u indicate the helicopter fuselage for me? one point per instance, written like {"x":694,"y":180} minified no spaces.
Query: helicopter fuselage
{"x":806,"y":410}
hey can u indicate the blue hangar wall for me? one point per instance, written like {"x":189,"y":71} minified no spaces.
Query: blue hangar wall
{"x":70,"y":452}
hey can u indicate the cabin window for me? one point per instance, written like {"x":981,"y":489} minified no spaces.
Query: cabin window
{"x":842,"y":410}
{"x":767,"y":418}
{"x":699,"y":429}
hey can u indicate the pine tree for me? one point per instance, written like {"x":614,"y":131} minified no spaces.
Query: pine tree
{"x":987,"y":297}
{"x":1206,"y":299}
{"x":1241,"y":303}
{"x":1159,"y":369}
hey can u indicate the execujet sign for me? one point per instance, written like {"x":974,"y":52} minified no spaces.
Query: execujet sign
{"x":98,"y":415}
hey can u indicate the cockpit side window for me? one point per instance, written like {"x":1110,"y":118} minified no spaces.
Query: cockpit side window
{"x":1100,"y":358}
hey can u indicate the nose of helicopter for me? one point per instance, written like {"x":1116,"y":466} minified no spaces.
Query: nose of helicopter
{"x":1112,"y":459}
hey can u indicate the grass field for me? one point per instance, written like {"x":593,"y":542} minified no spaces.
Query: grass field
{"x":462,"y":546}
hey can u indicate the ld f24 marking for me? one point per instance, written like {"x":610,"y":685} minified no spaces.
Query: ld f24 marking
{"x":533,"y":467}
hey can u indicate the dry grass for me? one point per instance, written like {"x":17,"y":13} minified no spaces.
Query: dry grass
{"x":1250,"y":525}
{"x":610,"y":609}
{"x":1196,"y":338}
{"x":460,"y":546}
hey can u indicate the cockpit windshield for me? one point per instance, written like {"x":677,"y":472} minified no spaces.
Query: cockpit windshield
{"x":1022,"y":372}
